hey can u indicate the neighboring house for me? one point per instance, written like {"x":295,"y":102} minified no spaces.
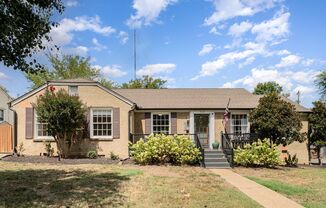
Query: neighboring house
{"x":121,"y":115}
{"x":6,"y":115}
{"x":6,"y":122}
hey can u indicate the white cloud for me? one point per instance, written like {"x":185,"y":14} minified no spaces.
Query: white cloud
{"x":154,"y":69}
{"x":248,"y":61}
{"x":283,"y":52}
{"x":308,"y":62}
{"x":206,"y":49}
{"x":291,"y":81}
{"x":63,"y":34}
{"x":3,"y":75}
{"x":229,"y":9}
{"x":111,"y":71}
{"x":147,"y":11}
{"x":79,"y":50}
{"x":214,"y":31}
{"x":210,"y":68}
{"x":72,"y":3}
{"x":304,"y":76}
{"x":273,"y":30}
{"x":123,"y":36}
{"x":98,"y":46}
{"x":238,"y":29}
{"x":303,"y":89}
{"x":288,"y":61}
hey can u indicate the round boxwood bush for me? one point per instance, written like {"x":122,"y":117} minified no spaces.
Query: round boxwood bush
{"x":161,"y":149}
{"x":92,"y":154}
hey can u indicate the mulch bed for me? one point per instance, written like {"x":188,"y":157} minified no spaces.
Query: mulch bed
{"x":54,"y":160}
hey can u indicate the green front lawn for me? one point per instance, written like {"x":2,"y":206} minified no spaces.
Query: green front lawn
{"x":306,"y":186}
{"x":46,"y":185}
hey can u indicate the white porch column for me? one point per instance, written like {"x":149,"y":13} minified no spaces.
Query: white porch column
{"x":211,"y":129}
{"x":192,"y":124}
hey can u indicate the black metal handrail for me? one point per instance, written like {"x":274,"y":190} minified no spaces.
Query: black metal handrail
{"x":201,"y":149}
{"x":240,"y":140}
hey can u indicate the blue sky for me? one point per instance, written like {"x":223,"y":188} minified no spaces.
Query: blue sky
{"x":195,"y":43}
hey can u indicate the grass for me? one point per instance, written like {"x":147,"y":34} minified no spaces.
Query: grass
{"x":280,"y":186}
{"x":305,"y":185}
{"x":45,"y":185}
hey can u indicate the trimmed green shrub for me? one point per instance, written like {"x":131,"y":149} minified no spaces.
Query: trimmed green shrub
{"x":113,"y":156}
{"x":161,"y":149}
{"x":92,"y":154}
{"x":291,"y":161}
{"x":258,"y":154}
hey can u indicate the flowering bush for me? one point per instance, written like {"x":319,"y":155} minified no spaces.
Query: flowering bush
{"x":161,"y":149}
{"x":260,"y":153}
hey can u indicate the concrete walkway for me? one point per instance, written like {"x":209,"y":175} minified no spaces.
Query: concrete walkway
{"x":264,"y":196}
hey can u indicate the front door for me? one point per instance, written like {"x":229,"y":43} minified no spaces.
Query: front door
{"x":202,"y":128}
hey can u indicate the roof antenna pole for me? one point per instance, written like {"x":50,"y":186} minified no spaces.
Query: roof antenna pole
{"x":298,"y":99}
{"x":135,"y":55}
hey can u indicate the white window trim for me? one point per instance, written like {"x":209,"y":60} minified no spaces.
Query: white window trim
{"x":36,"y":136}
{"x":91,"y":124}
{"x":163,"y":113}
{"x":239,"y":113}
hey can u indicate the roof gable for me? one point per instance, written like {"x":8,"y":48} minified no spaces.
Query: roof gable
{"x":71,"y":82}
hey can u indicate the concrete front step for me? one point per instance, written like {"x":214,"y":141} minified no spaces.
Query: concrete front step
{"x":214,"y":156}
{"x":217,"y":165}
{"x":219,"y":160}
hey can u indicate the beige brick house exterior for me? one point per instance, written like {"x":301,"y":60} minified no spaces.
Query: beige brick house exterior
{"x":145,"y":111}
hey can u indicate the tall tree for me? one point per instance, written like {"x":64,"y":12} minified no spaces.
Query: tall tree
{"x":321,"y":83}
{"x":276,"y":119}
{"x":68,"y":67}
{"x":65,"y":116}
{"x":146,"y":82}
{"x":25,"y":25}
{"x":317,"y":125}
{"x":267,"y":87}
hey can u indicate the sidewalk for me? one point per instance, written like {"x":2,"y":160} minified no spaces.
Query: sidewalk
{"x":257,"y":192}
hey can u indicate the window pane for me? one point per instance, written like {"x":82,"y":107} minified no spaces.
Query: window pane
{"x":102,"y":122}
{"x":160,"y":123}
{"x":239,"y":123}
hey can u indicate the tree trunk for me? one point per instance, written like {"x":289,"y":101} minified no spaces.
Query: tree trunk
{"x":318,"y":155}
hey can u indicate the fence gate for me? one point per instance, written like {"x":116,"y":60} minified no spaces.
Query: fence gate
{"x":5,"y":138}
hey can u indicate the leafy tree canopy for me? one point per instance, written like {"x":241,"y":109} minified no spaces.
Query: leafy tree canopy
{"x":65,"y":116}
{"x":25,"y":25}
{"x":74,"y":67}
{"x":276,"y":119}
{"x":317,"y":124}
{"x":321,"y":83}
{"x":146,"y":82}
{"x":68,"y":67}
{"x":267,"y":87}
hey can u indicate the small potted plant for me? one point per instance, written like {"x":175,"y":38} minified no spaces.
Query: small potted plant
{"x":215,"y":145}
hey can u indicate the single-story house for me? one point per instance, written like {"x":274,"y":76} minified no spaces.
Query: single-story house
{"x":117,"y":116}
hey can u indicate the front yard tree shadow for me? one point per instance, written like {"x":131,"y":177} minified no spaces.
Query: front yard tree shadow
{"x":50,"y":188}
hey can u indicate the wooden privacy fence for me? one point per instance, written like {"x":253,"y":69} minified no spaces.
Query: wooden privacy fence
{"x":5,"y":138}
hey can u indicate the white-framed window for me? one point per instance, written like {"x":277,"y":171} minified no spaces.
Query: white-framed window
{"x":2,"y":115}
{"x":101,"y":123}
{"x":161,"y":123}
{"x":73,"y":90}
{"x":41,"y":129}
{"x":239,"y":123}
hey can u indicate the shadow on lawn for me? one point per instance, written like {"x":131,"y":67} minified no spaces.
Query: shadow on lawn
{"x":44,"y":188}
